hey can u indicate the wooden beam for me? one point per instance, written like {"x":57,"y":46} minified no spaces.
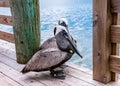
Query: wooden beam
{"x":115,"y":6}
{"x":7,"y":36}
{"x":118,"y":18}
{"x":114,"y":46}
{"x":26,"y":26}
{"x":101,"y":40}
{"x":115,"y":63}
{"x":5,"y":20}
{"x":115,"y":33}
{"x":4,"y":3}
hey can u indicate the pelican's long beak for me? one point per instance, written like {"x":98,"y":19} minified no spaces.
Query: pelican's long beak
{"x":72,"y":45}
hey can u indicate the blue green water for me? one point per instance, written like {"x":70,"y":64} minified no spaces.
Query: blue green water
{"x":79,"y":16}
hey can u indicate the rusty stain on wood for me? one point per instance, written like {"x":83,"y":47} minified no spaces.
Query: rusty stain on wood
{"x":5,"y":20}
{"x":4,"y":3}
{"x":7,"y":36}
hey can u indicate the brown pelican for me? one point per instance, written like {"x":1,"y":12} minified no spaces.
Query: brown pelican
{"x":57,"y":51}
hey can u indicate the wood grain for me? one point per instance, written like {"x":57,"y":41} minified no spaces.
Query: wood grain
{"x":4,"y":3}
{"x":115,"y":63}
{"x":101,"y":40}
{"x":7,"y":36}
{"x":115,"y":6}
{"x":5,"y":20}
{"x":115,"y":33}
{"x":75,"y":75}
{"x":42,"y":77}
{"x":6,"y":81}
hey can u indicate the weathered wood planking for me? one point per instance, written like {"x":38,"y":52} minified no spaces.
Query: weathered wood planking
{"x":5,"y":20}
{"x":18,"y":77}
{"x":101,"y":40}
{"x":115,"y":33}
{"x":76,"y":76}
{"x":4,"y":3}
{"x":9,"y":59}
{"x":6,"y":81}
{"x":44,"y":77}
{"x":7,"y":36}
{"x":115,"y":63}
{"x":115,"y":6}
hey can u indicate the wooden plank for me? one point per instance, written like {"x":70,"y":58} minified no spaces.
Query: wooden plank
{"x":79,"y":68}
{"x":16,"y":66}
{"x":4,"y":3}
{"x":115,"y":6}
{"x":82,"y":76}
{"x":115,"y":33}
{"x":88,"y":78}
{"x":18,"y":77}
{"x":75,"y":75}
{"x":26,"y":26}
{"x":48,"y":80}
{"x":44,"y":75}
{"x":6,"y":81}
{"x":72,"y":71}
{"x":114,"y":46}
{"x":5,"y":20}
{"x":101,"y":40}
{"x":115,"y":63}
{"x":7,"y":36}
{"x":8,"y":58}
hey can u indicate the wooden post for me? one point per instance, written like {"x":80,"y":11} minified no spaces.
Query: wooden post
{"x":114,"y":46}
{"x":101,"y":40}
{"x":26,"y":25}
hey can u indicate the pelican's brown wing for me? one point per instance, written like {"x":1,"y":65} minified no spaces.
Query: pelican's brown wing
{"x":46,"y":59}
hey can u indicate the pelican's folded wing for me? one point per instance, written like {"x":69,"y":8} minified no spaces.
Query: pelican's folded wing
{"x":46,"y":59}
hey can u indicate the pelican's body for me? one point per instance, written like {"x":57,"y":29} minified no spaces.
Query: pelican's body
{"x":47,"y":58}
{"x":53,"y":52}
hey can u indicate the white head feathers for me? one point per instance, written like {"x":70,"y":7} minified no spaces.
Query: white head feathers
{"x":59,"y":28}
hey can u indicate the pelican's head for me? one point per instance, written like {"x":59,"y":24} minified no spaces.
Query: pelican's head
{"x":63,"y":22}
{"x":58,"y":29}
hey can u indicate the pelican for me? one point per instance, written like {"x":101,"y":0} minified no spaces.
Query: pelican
{"x":53,"y":53}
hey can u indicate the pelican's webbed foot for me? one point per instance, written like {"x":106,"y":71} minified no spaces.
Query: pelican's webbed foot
{"x":58,"y":74}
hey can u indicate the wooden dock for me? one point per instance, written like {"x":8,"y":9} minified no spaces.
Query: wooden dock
{"x":10,"y":74}
{"x":106,"y":37}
